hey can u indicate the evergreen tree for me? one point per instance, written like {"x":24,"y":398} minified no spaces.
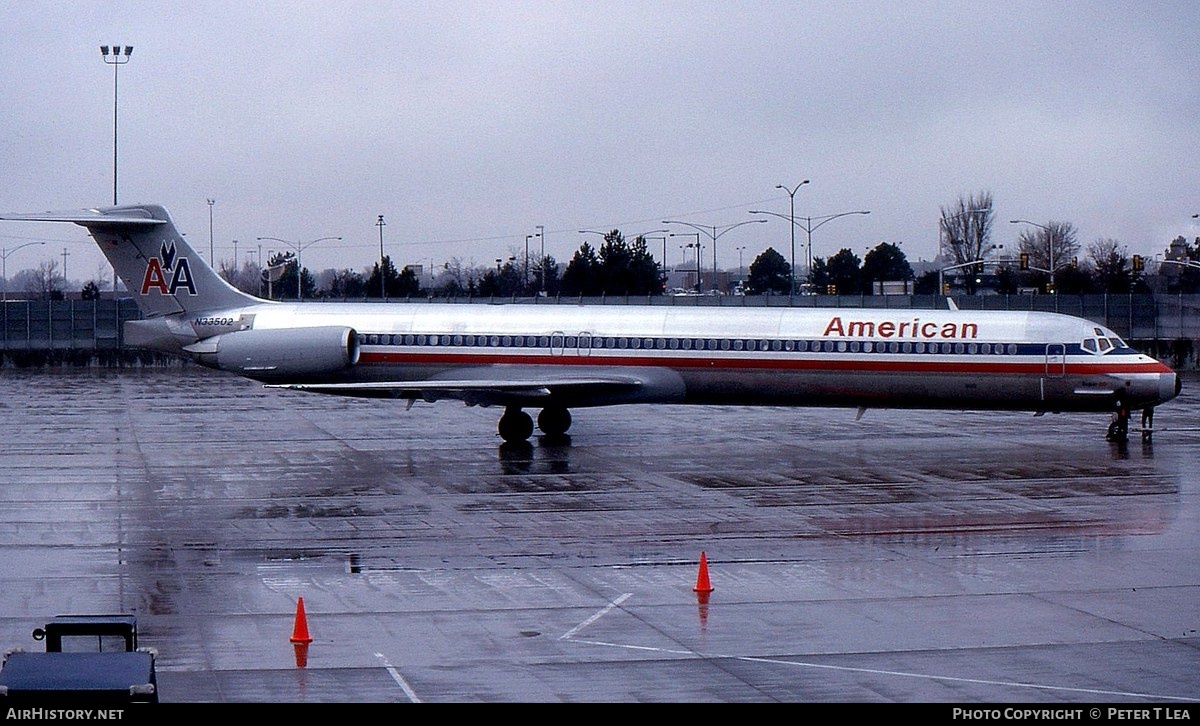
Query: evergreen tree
{"x":769,"y":274}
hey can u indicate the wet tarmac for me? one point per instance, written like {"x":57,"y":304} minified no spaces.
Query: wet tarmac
{"x":907,"y":557}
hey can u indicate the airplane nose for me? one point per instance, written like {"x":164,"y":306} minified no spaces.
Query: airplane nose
{"x":1169,"y":386}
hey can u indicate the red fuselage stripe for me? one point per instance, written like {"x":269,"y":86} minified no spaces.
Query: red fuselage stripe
{"x":866,"y":363}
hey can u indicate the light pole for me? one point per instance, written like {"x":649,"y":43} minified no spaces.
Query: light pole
{"x":662,"y":239}
{"x":741,"y":262}
{"x":116,"y":60}
{"x":4,"y":253}
{"x":299,"y":267}
{"x":1049,"y":247}
{"x":527,"y":238}
{"x":809,"y":226}
{"x":792,"y":195}
{"x":714,"y":235}
{"x":689,"y":245}
{"x":211,"y":259}
{"x":382,"y":286}
{"x":541,"y":235}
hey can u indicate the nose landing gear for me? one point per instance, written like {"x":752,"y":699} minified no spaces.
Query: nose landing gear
{"x":1118,"y":430}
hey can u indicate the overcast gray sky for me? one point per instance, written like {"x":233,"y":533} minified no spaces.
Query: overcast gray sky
{"x":468,"y":124}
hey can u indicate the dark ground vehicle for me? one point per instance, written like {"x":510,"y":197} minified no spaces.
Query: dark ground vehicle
{"x":89,"y":659}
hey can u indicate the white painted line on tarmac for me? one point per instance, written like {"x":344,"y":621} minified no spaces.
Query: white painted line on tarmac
{"x":604,"y":611}
{"x":903,"y":674}
{"x":399,"y":679}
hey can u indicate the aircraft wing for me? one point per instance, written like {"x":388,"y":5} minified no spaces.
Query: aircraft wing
{"x":483,"y":391}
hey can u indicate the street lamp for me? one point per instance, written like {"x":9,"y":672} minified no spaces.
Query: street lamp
{"x":662,"y":239}
{"x":639,"y":234}
{"x":689,"y":245}
{"x":1049,"y":247}
{"x":115,"y":59}
{"x":792,"y":194}
{"x":809,"y":227}
{"x":211,"y":259}
{"x":299,"y":267}
{"x":382,"y":280}
{"x":527,"y":238}
{"x":713,"y":234}
{"x":4,"y":253}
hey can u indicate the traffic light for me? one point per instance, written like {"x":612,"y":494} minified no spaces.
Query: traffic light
{"x":1138,"y":263}
{"x":945,"y":288}
{"x":1024,"y":260}
{"x":1075,"y":262}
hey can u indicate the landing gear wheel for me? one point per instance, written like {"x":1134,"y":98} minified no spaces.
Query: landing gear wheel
{"x":515,"y":425}
{"x":554,"y":421}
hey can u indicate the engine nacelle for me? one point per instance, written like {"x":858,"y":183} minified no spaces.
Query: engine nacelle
{"x":281,"y":353}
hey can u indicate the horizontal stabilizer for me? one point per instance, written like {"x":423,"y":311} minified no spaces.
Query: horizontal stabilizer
{"x":127,"y":217}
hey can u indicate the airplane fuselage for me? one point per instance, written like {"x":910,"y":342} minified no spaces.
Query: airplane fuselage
{"x":746,"y":356}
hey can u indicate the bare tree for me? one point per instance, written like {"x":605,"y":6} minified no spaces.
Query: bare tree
{"x":455,"y":277}
{"x":247,"y":278}
{"x":1110,"y":261}
{"x":966,"y":228}
{"x":1052,"y":246}
{"x":45,"y":282}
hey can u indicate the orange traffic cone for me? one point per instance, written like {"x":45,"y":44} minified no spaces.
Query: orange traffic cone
{"x":702,"y":584}
{"x":300,"y":630}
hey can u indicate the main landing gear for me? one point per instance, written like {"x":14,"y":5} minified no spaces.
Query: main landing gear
{"x":516,"y":425}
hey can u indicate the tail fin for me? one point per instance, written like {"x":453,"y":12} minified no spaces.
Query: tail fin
{"x":161,"y":270}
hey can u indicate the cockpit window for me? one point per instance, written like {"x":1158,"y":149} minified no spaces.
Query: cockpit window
{"x":1104,"y":342}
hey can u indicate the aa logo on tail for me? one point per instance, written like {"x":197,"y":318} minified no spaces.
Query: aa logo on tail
{"x":158,"y":267}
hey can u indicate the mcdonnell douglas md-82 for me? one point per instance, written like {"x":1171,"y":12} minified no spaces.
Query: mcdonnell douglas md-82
{"x":558,"y":357}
